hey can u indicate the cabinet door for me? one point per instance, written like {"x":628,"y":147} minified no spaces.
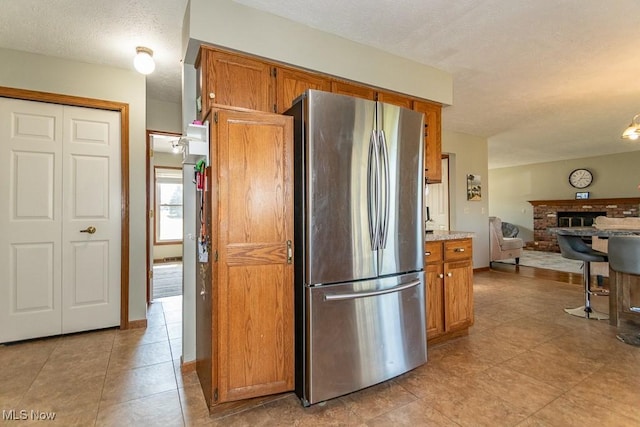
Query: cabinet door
{"x":395,"y":99}
{"x":350,"y":89}
{"x":458,"y":295}
{"x":433,"y":139}
{"x":434,"y":298}
{"x":255,"y":269}
{"x":291,"y":83}
{"x":237,"y":81}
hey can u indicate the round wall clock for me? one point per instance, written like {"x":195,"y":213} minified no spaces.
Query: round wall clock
{"x":580,"y":178}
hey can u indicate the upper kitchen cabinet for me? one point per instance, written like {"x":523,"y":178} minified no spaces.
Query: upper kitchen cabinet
{"x":432,"y":139}
{"x":351,"y":89}
{"x":395,"y":99}
{"x":292,"y":83}
{"x":235,"y":80}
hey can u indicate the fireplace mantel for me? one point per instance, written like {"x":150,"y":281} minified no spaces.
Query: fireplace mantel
{"x":578,"y":202}
{"x":545,"y":215}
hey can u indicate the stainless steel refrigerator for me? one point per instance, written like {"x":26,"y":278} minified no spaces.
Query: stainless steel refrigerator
{"x":359,"y":240}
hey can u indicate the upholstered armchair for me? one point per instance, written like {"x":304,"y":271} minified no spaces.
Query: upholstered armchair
{"x":503,"y":247}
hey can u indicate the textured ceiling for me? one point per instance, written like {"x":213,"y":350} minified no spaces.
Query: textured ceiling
{"x":542,"y":80}
{"x":101,"y":32}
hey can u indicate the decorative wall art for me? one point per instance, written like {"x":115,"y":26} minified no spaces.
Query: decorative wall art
{"x":474,"y":187}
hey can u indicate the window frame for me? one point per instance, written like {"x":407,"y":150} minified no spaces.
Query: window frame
{"x":156,"y":202}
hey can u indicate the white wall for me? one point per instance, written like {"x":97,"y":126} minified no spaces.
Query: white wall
{"x":23,"y":70}
{"x":231,"y":25}
{"x":468,"y":155}
{"x":164,"y":116}
{"x":616,"y":175}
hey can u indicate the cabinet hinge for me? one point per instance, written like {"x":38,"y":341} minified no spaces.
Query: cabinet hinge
{"x":150,"y":274}
{"x":215,"y":117}
{"x":275,"y":108}
{"x":150,"y":152}
{"x":274,"y":72}
{"x":215,"y":394}
{"x":215,"y":256}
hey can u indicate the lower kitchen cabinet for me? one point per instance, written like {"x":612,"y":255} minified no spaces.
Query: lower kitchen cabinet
{"x":449,"y":296}
{"x":244,"y":309}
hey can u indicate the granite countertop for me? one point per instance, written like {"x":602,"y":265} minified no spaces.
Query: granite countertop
{"x":447,"y":235}
{"x":592,"y":231}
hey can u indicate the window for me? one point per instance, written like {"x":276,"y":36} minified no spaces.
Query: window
{"x":168,"y":205}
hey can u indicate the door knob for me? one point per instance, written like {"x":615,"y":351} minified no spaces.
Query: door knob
{"x":91,"y":229}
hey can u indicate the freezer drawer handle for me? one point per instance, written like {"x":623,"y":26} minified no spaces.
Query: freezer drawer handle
{"x":353,"y":295}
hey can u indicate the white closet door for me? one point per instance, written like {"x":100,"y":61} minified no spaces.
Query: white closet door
{"x":30,"y":219}
{"x":91,"y":185}
{"x":59,"y":174}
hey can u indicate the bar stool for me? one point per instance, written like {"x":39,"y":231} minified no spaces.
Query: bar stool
{"x":624,"y":257}
{"x":573,"y":247}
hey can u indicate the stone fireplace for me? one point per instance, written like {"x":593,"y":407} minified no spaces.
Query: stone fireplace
{"x":574,"y":213}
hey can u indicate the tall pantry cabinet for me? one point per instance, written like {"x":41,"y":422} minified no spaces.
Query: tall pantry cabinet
{"x":244,"y":309}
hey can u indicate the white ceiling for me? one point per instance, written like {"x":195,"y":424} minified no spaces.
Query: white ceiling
{"x":542,"y":80}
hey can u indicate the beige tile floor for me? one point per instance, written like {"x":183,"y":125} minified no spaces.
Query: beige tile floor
{"x":525,"y":363}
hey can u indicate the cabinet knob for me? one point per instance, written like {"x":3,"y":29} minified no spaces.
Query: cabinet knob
{"x":441,"y":276}
{"x":427,"y":253}
{"x":449,"y":274}
{"x":212,"y":95}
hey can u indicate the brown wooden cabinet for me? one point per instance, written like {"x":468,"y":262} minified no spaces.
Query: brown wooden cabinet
{"x":235,"y":80}
{"x":432,"y":139}
{"x":351,"y":89}
{"x":292,"y":83}
{"x":449,"y":296}
{"x":244,"y":313}
{"x":395,"y":99}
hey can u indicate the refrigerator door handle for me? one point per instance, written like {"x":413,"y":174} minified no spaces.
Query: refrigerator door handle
{"x":384,"y":226}
{"x":374,"y":190}
{"x":354,"y":295}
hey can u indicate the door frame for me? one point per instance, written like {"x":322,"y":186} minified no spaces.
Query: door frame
{"x":123,"y":109}
{"x":149,"y":239}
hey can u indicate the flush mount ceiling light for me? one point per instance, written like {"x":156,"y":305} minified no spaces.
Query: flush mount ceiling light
{"x":633,"y":131}
{"x":144,"y":60}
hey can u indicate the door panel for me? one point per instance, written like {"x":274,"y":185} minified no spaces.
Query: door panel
{"x":255,"y":193}
{"x":30,"y":241}
{"x":403,"y":251}
{"x":61,"y":174}
{"x":238,"y":81}
{"x":339,"y":246}
{"x":91,"y":179}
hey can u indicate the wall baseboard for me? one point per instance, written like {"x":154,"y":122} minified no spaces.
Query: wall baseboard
{"x":137,"y":324}
{"x":187,"y":366}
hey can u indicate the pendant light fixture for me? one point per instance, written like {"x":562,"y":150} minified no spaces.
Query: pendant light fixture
{"x":633,"y":131}
{"x":143,"y":62}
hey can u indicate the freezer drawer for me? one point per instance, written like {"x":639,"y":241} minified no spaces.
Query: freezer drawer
{"x":359,"y":334}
